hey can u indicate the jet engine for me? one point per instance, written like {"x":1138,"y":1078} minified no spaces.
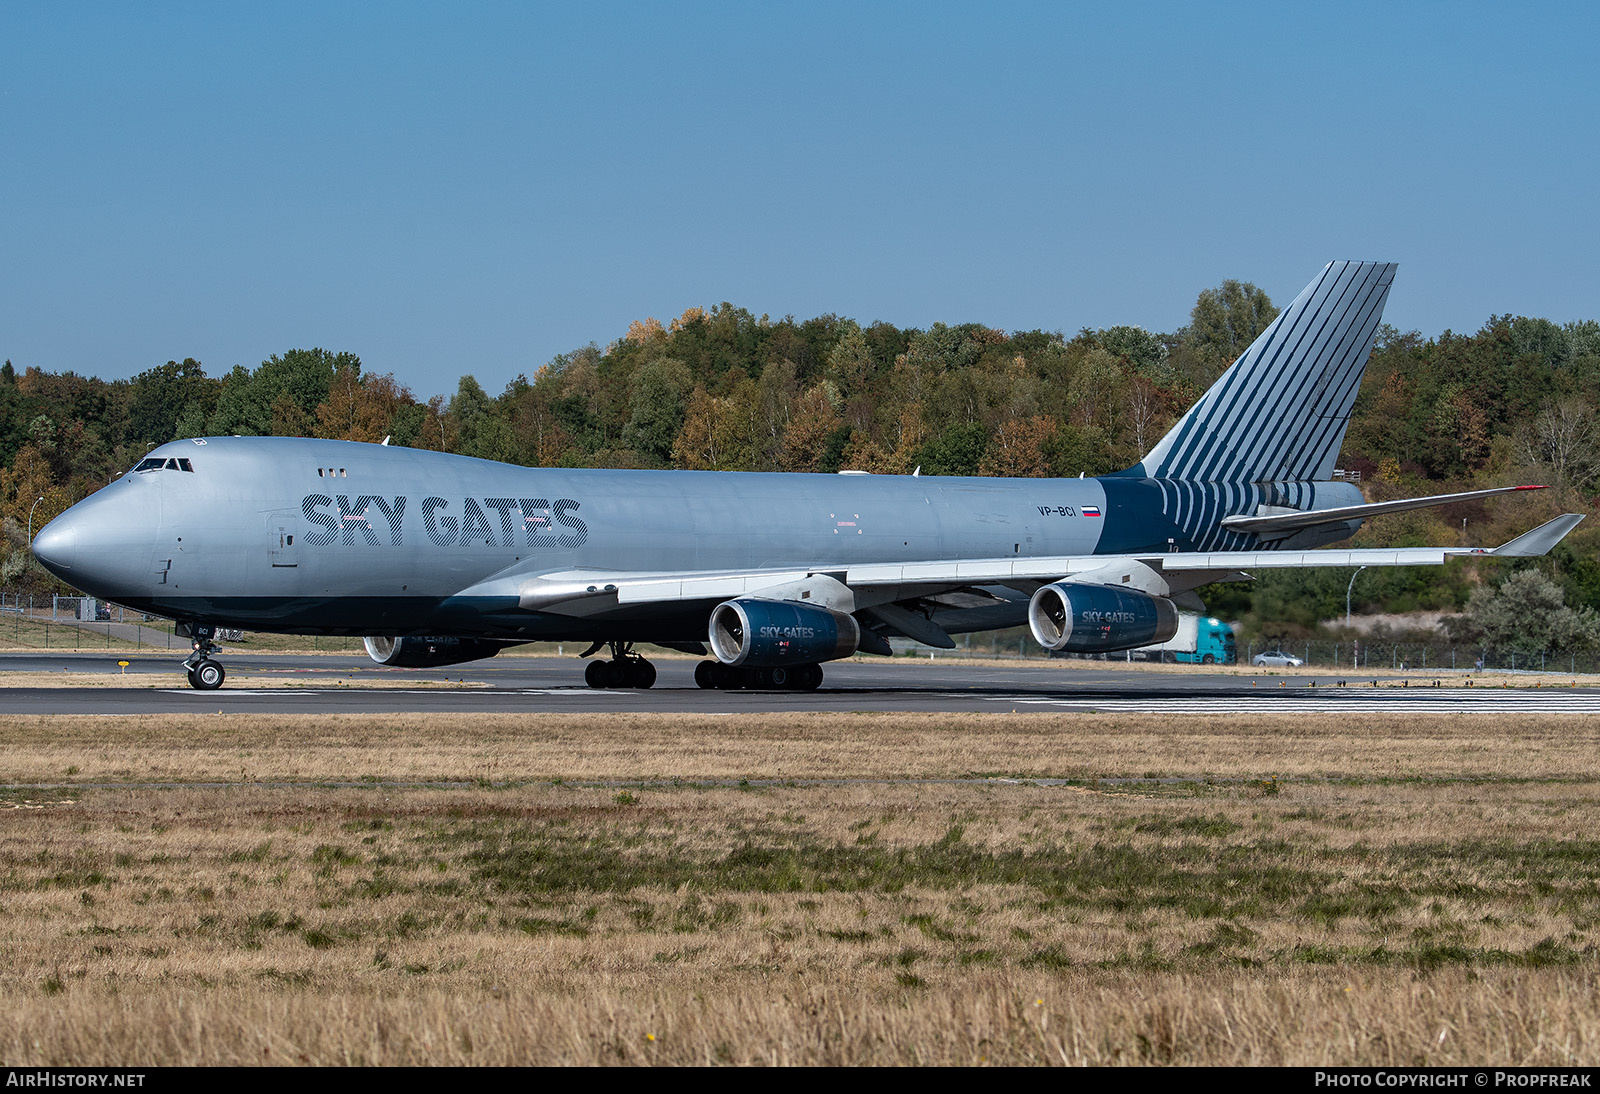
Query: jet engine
{"x":425,"y":653}
{"x":1099,"y":618}
{"x":763,"y":633}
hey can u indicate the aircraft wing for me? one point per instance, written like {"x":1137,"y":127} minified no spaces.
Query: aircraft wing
{"x":849,"y":586}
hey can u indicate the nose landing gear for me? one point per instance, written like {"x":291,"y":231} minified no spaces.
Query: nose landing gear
{"x":204,"y":673}
{"x":626,"y":669}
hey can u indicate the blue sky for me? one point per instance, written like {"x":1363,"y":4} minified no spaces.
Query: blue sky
{"x":463,"y":187}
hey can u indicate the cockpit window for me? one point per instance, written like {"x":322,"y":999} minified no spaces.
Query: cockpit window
{"x":156,"y":463}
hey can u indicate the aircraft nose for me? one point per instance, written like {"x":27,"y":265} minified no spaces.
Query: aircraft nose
{"x":56,"y":545}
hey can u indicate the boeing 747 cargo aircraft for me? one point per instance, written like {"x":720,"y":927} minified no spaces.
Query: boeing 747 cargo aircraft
{"x":439,"y":559}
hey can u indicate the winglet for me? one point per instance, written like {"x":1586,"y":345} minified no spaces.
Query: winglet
{"x":1540,"y":540}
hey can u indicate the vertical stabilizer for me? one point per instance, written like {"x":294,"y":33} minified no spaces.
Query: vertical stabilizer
{"x":1279,"y":412}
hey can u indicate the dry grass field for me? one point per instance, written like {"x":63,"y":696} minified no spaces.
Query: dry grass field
{"x":800,"y":889}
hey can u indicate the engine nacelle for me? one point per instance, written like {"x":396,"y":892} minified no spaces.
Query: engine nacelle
{"x":1099,"y":618}
{"x":762,"y":633}
{"x":425,"y":653}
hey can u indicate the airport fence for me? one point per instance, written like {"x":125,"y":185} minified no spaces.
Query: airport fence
{"x":79,"y":623}
{"x":1356,"y":656}
{"x":1362,"y":655}
{"x":1351,"y":656}
{"x":84,"y":623}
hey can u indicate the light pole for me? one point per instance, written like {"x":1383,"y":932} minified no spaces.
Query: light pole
{"x":1348,"y":589}
{"x":31,"y":508}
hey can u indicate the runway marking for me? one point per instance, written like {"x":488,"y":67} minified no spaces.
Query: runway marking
{"x":219,"y":694}
{"x":575,"y":690}
{"x":223,"y":693}
{"x":1457,"y":701}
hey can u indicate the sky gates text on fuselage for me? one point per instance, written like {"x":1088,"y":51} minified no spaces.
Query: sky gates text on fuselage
{"x":537,"y":519}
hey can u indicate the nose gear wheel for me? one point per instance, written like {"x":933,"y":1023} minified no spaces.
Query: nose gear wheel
{"x":204,"y":673}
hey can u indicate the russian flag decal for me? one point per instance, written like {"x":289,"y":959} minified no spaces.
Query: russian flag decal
{"x":1090,"y":510}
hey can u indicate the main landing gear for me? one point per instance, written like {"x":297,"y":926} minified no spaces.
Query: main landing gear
{"x":716,"y":675}
{"x":626,"y":669}
{"x":204,"y":673}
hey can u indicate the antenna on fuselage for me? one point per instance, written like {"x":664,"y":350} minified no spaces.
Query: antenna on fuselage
{"x":386,"y":437}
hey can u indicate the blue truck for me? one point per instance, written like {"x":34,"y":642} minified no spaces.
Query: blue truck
{"x":1201,"y":640}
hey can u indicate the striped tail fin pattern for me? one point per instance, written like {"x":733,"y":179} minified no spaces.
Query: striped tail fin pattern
{"x":1279,"y":413}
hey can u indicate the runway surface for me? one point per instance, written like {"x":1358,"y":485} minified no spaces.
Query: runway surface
{"x":539,"y":685}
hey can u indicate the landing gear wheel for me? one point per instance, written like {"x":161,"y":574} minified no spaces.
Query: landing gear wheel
{"x":726,"y":677}
{"x":808,"y":677}
{"x":638,"y":673}
{"x":705,"y":674}
{"x":207,"y":676}
{"x":204,"y":673}
{"x":626,"y":669}
{"x":781,"y":677}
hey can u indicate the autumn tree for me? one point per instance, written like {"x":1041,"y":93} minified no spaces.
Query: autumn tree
{"x":812,"y":428}
{"x":643,"y":332}
{"x":361,"y":408}
{"x":862,"y":453}
{"x":536,"y":428}
{"x":1018,"y":449}
{"x":289,"y":418}
{"x":27,"y":479}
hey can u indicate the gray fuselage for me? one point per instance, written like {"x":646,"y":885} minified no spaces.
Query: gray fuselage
{"x":312,"y":536}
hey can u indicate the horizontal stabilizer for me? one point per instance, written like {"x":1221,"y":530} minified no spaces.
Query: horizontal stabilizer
{"x":1540,"y":540}
{"x":1284,"y":523}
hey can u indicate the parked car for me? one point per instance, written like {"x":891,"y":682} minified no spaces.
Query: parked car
{"x":1276,"y":659}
